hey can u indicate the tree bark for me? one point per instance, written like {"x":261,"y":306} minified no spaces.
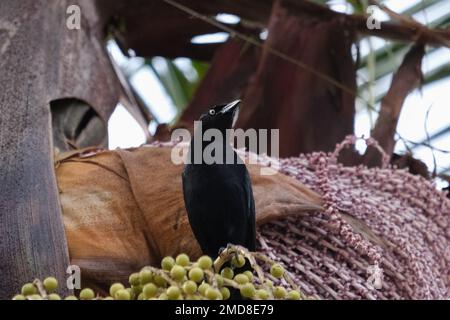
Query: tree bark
{"x":41,"y":60}
{"x":310,"y":113}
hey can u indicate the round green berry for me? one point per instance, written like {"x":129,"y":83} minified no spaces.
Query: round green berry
{"x":150,"y":290}
{"x":182,"y":260}
{"x":35,"y":297}
{"x":87,"y":294}
{"x":225,"y":293}
{"x":131,"y":292}
{"x":173,"y":292}
{"x":108,"y":298}
{"x":219,"y":280}
{"x":50,"y":284}
{"x":145,"y":276}
{"x":196,"y":274}
{"x":203,"y":287}
{"x":249,"y":275}
{"x":262,"y":294}
{"x":205,"y":262}
{"x":269,"y":284}
{"x":248,"y":290}
{"x":212,"y":293}
{"x":238,"y":261}
{"x":189,"y":287}
{"x":122,"y":294}
{"x":137,"y":289}
{"x":241,"y":278}
{"x":293,"y":295}
{"x":159,"y":281}
{"x":177,"y":272}
{"x":54,"y":296}
{"x":279,"y":292}
{"x":163,"y":296}
{"x":134,"y":279}
{"x":19,"y":297}
{"x":141,"y":296}
{"x":227,"y":273}
{"x":71,"y":297}
{"x":276,"y":270}
{"x":167,"y":263}
{"x":28,"y":289}
{"x":114,"y":288}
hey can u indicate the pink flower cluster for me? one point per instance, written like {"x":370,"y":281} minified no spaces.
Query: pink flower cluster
{"x":384,"y":234}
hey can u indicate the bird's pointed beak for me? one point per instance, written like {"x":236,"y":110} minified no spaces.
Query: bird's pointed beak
{"x":231,"y":106}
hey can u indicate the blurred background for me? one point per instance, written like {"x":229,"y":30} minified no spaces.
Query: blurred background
{"x":166,"y":86}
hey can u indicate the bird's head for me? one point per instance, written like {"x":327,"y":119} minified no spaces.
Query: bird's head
{"x":221,"y":117}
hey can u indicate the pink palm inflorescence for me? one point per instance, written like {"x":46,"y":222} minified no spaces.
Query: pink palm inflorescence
{"x":374,"y":219}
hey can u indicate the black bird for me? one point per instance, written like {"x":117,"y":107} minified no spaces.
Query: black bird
{"x":218,"y":196}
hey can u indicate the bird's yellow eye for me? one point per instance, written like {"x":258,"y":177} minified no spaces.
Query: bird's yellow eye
{"x":212,"y":112}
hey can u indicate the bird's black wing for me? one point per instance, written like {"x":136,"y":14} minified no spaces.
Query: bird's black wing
{"x":221,"y":209}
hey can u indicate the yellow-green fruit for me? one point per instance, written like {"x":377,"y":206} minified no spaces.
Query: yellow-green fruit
{"x":54,"y":296}
{"x":225,"y":293}
{"x":141,"y":296}
{"x":212,"y":293}
{"x":177,"y":272}
{"x":50,"y":284}
{"x":28,"y":289}
{"x":70,"y":298}
{"x":279,"y":292}
{"x":130,"y":291}
{"x":137,"y":289}
{"x":146,"y":276}
{"x":269,"y":284}
{"x":134,"y":279}
{"x":159,"y":281}
{"x":196,"y":274}
{"x":205,"y":262}
{"x":227,"y":273}
{"x":173,"y":292}
{"x":149,"y":290}
{"x":241,"y":278}
{"x":35,"y":297}
{"x":167,"y":263}
{"x":262,"y":294}
{"x":114,"y":288}
{"x":182,"y":260}
{"x":219,"y":280}
{"x":249,"y":275}
{"x":248,"y":290}
{"x":293,"y":295}
{"x":189,"y":287}
{"x":163,"y":296}
{"x":19,"y":297}
{"x":108,"y":298}
{"x":87,"y":294}
{"x":238,"y":261}
{"x":276,"y":270}
{"x":202,"y":288}
{"x":122,"y":294}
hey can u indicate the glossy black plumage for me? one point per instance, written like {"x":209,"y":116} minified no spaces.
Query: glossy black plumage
{"x":218,"y":197}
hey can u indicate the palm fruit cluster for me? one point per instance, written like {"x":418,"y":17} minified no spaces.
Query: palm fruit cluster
{"x":180,"y":278}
